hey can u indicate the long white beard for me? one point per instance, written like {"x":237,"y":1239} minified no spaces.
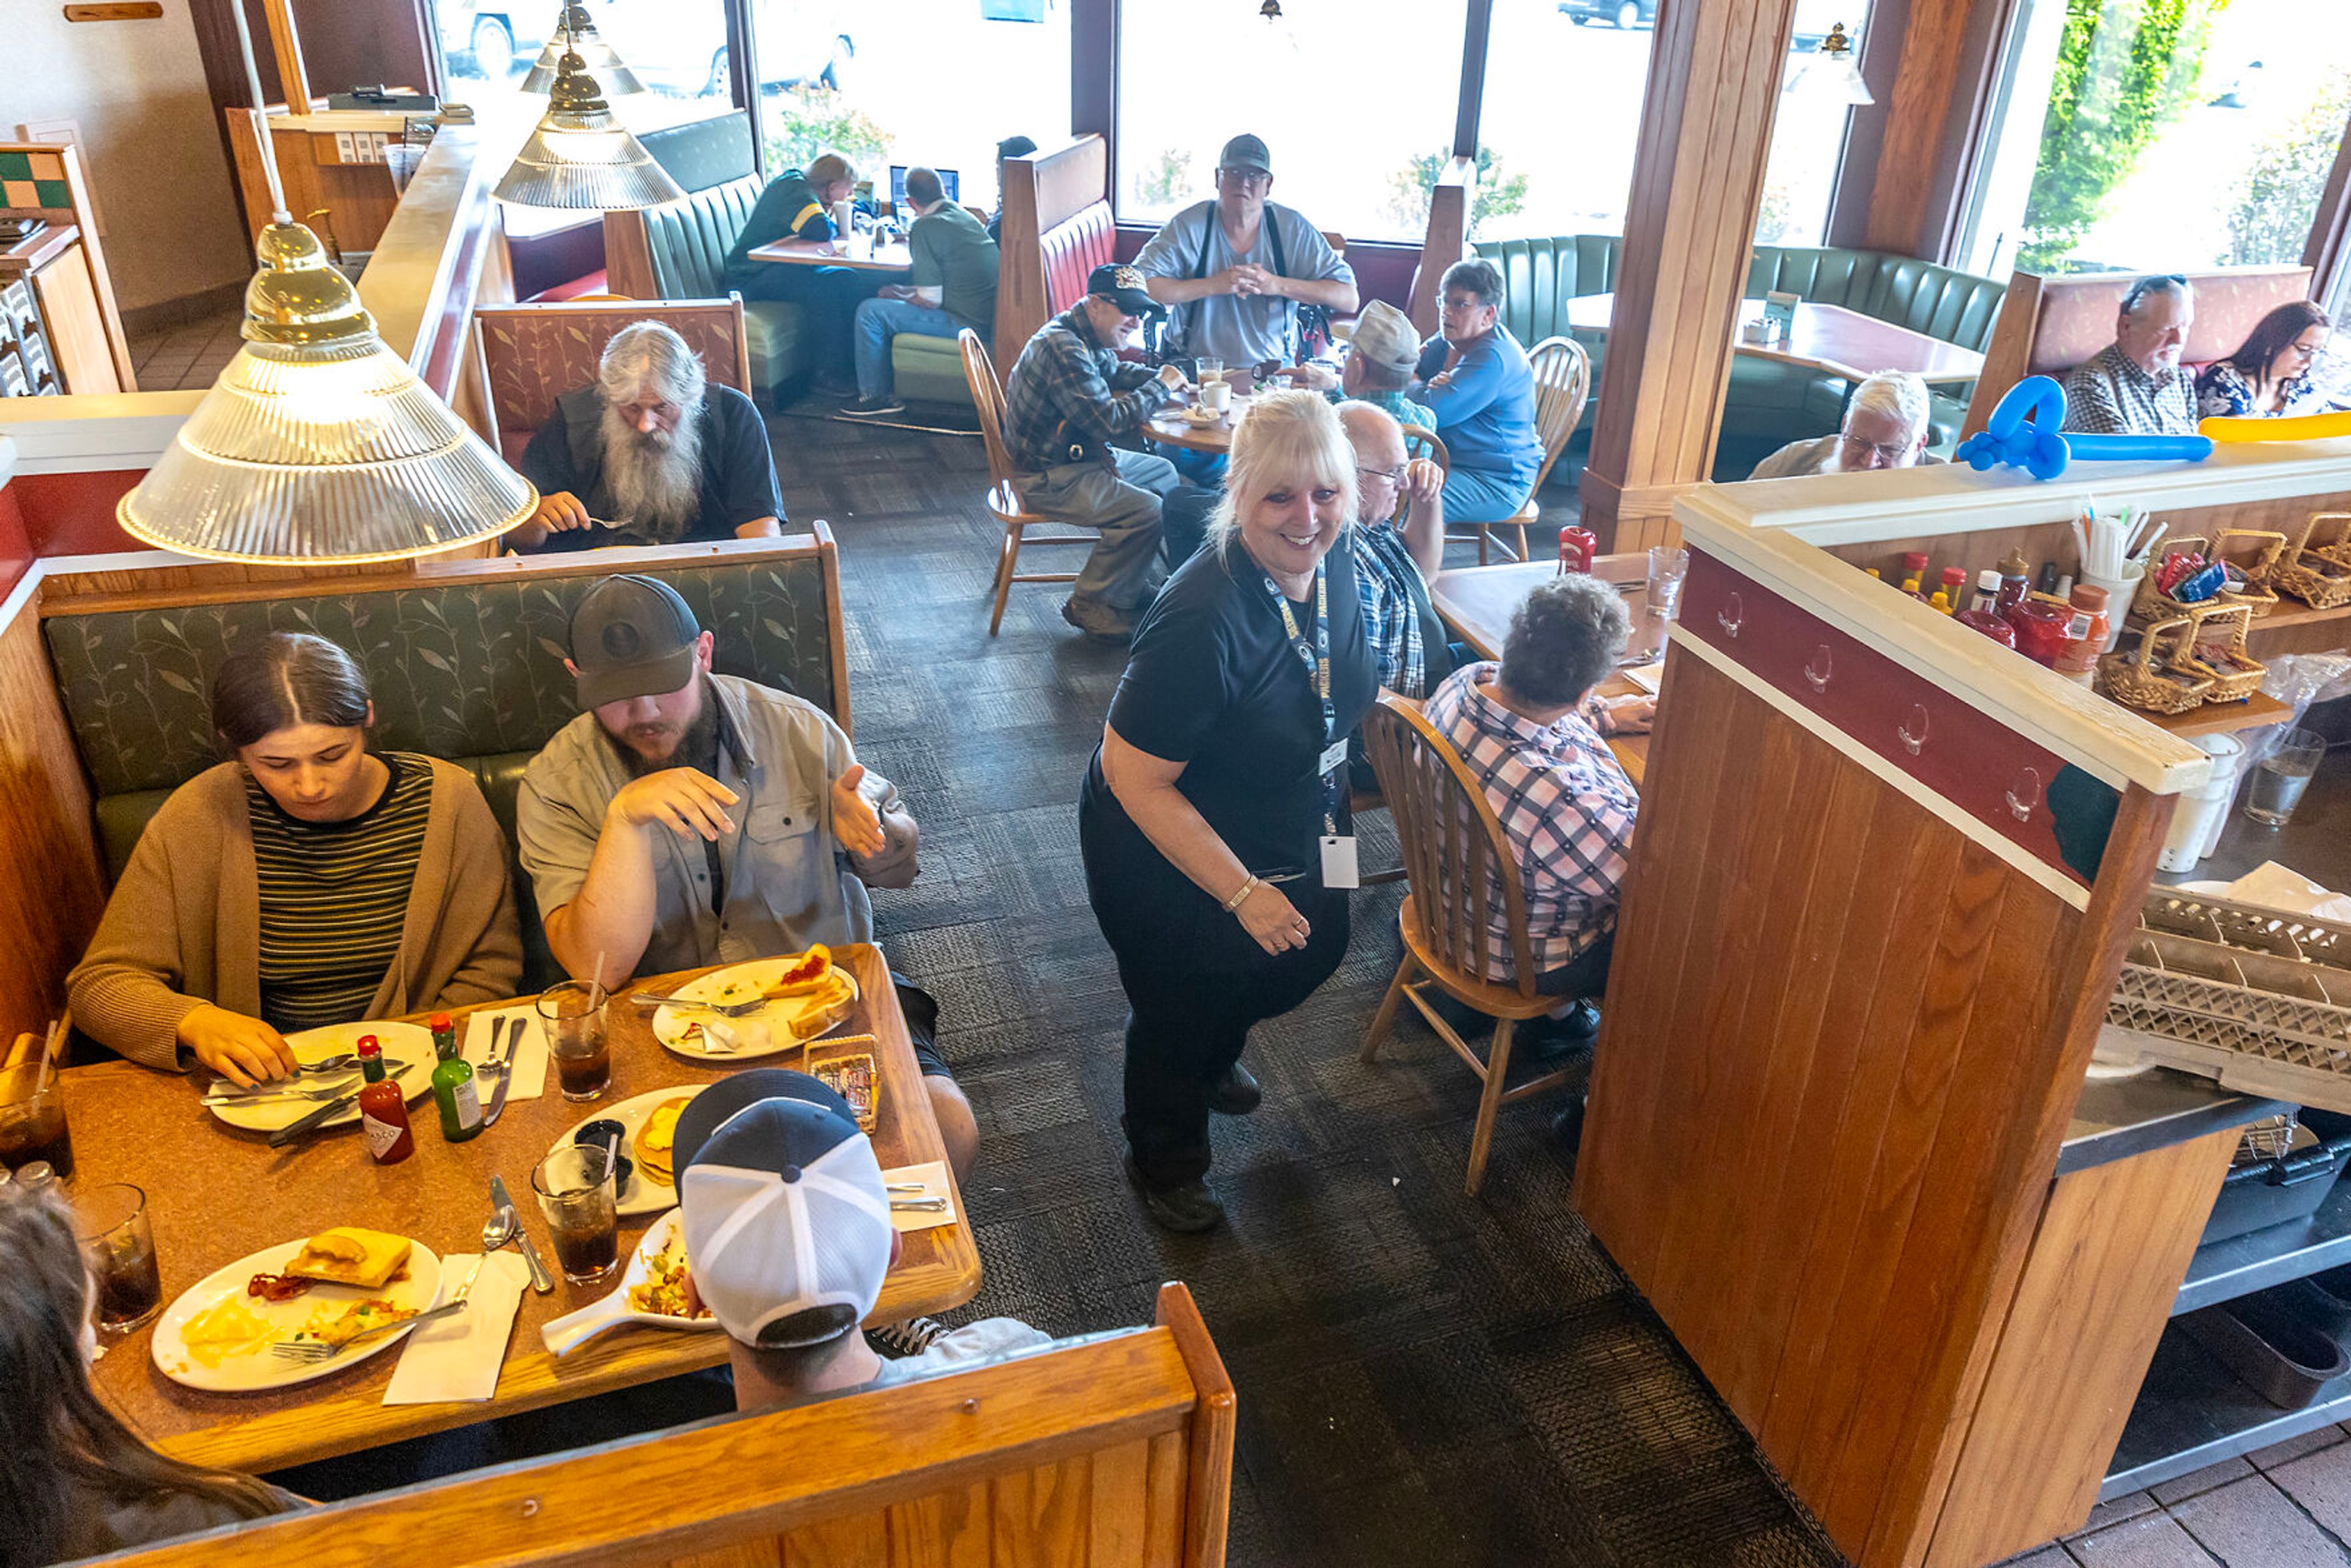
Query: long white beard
{"x":655,"y":479}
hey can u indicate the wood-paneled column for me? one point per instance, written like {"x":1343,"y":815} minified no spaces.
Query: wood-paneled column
{"x":1697,"y":177}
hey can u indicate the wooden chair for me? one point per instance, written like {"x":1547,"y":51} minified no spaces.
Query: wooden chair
{"x":1462,"y":872}
{"x":1106,"y":1452}
{"x":1003,"y":496}
{"x":1563,"y":385}
{"x":1418,"y":443}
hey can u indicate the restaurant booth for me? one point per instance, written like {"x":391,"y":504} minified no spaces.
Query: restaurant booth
{"x":1839,"y":1131}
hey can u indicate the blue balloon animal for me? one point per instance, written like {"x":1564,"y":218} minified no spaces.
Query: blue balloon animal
{"x":2026,"y":432}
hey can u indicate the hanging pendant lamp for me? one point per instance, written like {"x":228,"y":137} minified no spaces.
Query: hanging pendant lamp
{"x":319,"y":443}
{"x":582,"y":157}
{"x":575,"y":33}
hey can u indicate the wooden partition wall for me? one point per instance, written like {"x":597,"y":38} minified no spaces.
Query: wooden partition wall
{"x":1039,"y":190}
{"x":1445,"y":241}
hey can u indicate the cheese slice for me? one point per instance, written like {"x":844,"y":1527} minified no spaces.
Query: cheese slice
{"x":348,"y":1254}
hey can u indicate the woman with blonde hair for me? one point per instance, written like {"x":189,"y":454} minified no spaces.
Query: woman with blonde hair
{"x":1222,"y":770}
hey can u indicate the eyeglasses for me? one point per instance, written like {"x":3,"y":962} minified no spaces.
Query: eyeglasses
{"x":1463,"y":305}
{"x":1392,"y":475}
{"x":1889,"y":453}
{"x":1248,"y":179}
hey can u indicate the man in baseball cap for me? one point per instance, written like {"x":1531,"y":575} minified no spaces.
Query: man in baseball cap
{"x":789,"y":1239}
{"x":688,"y":819}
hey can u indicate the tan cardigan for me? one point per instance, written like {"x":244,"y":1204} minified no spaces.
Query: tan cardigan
{"x":182,"y":927}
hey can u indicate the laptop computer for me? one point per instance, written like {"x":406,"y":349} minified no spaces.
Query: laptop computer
{"x":948,"y":181}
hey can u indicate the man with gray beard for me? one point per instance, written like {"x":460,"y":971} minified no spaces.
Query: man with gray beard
{"x":649,"y":454}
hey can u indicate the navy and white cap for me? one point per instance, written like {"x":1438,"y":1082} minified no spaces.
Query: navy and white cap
{"x":786,"y":1217}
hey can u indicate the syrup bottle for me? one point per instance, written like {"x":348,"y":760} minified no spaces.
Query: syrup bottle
{"x":383,"y":1110}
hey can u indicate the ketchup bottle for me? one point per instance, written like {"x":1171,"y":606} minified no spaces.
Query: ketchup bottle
{"x":383,"y":1109}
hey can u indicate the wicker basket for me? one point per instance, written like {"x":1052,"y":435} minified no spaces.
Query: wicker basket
{"x":2318,"y":570}
{"x":2255,"y":552}
{"x":2219,"y":653}
{"x":2145,"y":677}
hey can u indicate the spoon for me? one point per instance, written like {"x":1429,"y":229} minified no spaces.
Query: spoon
{"x":499,"y":1232}
{"x":331,"y":1063}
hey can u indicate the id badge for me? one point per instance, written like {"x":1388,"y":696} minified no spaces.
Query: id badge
{"x":1338,"y":862}
{"x":1335,"y":757}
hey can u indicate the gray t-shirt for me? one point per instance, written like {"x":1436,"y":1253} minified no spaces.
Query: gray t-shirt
{"x":1239,"y":332}
{"x":958,"y":1350}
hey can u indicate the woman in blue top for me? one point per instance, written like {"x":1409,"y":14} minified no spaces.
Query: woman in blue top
{"x":2270,"y":372}
{"x":1483,"y":391}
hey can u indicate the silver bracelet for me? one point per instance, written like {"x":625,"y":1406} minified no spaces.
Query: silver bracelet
{"x":1237,"y":899}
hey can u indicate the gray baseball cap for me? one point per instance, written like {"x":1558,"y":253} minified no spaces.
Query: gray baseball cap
{"x":1384,"y":336}
{"x":632,"y":637}
{"x":1246,"y":151}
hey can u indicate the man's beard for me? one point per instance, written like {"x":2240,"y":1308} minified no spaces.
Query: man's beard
{"x":698,"y":741}
{"x":656,"y":478}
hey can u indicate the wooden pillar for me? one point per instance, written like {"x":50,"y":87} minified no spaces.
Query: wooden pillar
{"x":1698,"y":178}
{"x":286,"y":43}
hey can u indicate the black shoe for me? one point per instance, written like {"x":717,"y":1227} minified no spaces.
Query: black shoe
{"x":1548,"y":1038}
{"x":872,"y":407}
{"x":1567,"y":1127}
{"x":899,"y":1340}
{"x":1107,"y":624}
{"x":1237,"y":1093}
{"x":1186,"y":1208}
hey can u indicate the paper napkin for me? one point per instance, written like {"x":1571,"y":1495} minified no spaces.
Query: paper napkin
{"x":458,"y":1358}
{"x":936,"y":1183}
{"x":2273,"y":887}
{"x":529,"y":1055}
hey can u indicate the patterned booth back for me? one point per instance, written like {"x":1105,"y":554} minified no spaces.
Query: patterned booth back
{"x":533,"y":354}
{"x":1073,"y":248}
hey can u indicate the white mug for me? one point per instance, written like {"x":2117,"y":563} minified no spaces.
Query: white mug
{"x":1217,"y":395}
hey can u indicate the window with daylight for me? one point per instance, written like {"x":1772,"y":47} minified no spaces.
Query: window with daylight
{"x":1356,"y":101}
{"x":2158,"y":135}
{"x":1545,"y":168}
{"x":937,"y":82}
{"x":1808,"y":129}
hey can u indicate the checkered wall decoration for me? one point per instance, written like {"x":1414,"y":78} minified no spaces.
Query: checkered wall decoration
{"x":34,"y":179}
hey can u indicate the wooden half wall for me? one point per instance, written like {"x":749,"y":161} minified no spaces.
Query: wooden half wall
{"x":1039,"y":190}
{"x":50,"y":890}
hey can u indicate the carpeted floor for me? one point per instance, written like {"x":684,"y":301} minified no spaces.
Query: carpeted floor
{"x":1423,"y":1378}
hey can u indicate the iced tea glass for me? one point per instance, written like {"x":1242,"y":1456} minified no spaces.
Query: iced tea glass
{"x":118,"y":1245}
{"x":34,"y":1128}
{"x":576,"y":1194}
{"x":571,"y":1012}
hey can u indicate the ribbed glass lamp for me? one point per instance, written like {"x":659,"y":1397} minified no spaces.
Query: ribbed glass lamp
{"x":582,"y":157}
{"x":575,"y":32}
{"x":317,"y":442}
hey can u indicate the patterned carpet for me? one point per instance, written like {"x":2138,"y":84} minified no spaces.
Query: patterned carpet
{"x":1423,"y":1378}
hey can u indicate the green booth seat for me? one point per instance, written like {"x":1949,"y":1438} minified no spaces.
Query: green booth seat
{"x":688,"y":241}
{"x":929,"y":370}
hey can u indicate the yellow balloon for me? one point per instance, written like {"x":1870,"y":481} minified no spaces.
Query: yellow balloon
{"x":2302,"y":427}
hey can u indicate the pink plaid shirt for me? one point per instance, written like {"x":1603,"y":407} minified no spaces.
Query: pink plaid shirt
{"x":1565,"y":806}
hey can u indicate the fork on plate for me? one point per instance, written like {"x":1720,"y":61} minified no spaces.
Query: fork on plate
{"x":311,"y":1350}
{"x":723,"y":1009}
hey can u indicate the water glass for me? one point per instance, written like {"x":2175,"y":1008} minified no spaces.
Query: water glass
{"x":1669,"y":565}
{"x":34,"y":1128}
{"x":118,"y":1247}
{"x":2280,"y":777}
{"x":572,"y":1013}
{"x":1210,"y":371}
{"x":576,"y":1193}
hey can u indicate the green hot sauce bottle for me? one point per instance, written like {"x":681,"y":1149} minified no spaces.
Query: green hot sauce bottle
{"x":452,"y":1085}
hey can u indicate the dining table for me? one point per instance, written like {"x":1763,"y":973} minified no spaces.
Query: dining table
{"x":1478,"y":601}
{"x":894,"y":256}
{"x":216,"y":1194}
{"x":1828,"y":339}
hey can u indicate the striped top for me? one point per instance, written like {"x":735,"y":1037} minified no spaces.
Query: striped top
{"x":334,"y":897}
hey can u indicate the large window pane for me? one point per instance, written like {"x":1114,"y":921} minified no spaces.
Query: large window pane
{"x":1561,"y":114}
{"x":912,"y":81}
{"x":2160,"y":134}
{"x":1808,"y":129}
{"x":1354,"y":98}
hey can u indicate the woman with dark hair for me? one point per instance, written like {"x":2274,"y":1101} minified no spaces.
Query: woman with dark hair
{"x":308,"y":881}
{"x":77,"y":1482}
{"x":1222,"y":769}
{"x":2270,"y":372}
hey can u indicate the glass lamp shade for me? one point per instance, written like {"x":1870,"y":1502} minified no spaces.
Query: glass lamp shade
{"x":575,"y":33}
{"x":581,"y":157}
{"x":318,"y":443}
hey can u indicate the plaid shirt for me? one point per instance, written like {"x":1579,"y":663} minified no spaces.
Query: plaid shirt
{"x":2109,"y":395}
{"x":1565,"y":806}
{"x":1063,"y":375}
{"x":1385,"y":574}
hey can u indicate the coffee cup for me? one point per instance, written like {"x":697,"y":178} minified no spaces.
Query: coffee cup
{"x":1216,"y":396}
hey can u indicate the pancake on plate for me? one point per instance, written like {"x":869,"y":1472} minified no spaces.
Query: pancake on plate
{"x":652,"y":1145}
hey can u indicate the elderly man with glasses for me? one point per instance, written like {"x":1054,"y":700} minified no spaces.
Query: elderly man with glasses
{"x":2136,"y":385}
{"x":1885,"y":426}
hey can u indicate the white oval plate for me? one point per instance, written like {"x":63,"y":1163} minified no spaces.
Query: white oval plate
{"x":670,"y":1024}
{"x":249,"y":1371}
{"x":642,"y":1195}
{"x":404,"y":1045}
{"x":568,"y":1332}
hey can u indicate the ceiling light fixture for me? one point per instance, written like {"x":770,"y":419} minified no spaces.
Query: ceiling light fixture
{"x":318,"y":443}
{"x":1832,"y":69}
{"x":575,"y":33}
{"x":581,"y":157}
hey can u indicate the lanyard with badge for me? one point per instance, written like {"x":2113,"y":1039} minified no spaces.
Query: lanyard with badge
{"x":1338,"y":849}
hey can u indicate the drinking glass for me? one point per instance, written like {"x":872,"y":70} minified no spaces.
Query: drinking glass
{"x":118,"y":1247}
{"x":2280,"y":777}
{"x":1669,"y":565}
{"x":34,"y":1128}
{"x":1210,"y":371}
{"x":572,"y":1014}
{"x":574,"y":1186}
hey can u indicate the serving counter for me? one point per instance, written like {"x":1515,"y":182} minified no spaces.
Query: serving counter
{"x":1838,"y":1132}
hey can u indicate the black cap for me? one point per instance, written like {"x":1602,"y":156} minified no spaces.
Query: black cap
{"x":1123,"y":284}
{"x":1246,"y":151}
{"x":631,"y":636}
{"x":1014,"y":147}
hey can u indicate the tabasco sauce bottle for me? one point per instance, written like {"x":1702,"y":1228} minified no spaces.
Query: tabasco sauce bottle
{"x":383,"y":1110}
{"x":452,"y":1084}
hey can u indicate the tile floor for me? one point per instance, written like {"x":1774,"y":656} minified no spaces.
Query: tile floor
{"x":2286,"y":1507}
{"x":186,"y":356}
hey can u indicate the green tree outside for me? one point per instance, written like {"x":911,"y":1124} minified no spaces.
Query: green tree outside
{"x":1411,"y":187}
{"x":810,"y":120}
{"x":2271,"y":220}
{"x":2126,"y":69}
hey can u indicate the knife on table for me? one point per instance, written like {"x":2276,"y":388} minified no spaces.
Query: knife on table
{"x":505,"y":1070}
{"x":324,"y":1114}
{"x":541,"y":1280}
